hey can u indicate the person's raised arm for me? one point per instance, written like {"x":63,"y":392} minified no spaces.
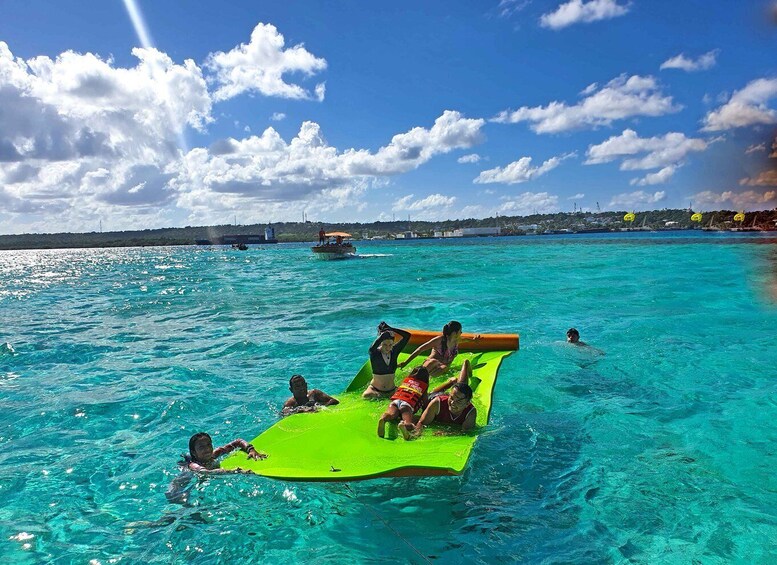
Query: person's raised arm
{"x":376,"y":343}
{"x":464,"y":375}
{"x":421,"y":348}
{"x":400,"y":345}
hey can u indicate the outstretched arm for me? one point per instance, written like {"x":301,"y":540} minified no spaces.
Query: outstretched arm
{"x":421,"y":348}
{"x":323,"y":398}
{"x":237,"y":444}
{"x":428,"y":415}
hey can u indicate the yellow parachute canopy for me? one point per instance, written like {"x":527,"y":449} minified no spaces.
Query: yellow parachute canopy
{"x":630,"y":217}
{"x":696,"y":217}
{"x":740,"y":217}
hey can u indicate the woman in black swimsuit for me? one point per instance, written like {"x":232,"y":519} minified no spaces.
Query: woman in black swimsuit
{"x":383,"y":358}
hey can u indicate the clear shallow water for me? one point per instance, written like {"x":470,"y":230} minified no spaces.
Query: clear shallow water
{"x":661,"y":450}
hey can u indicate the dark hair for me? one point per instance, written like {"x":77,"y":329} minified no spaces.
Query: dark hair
{"x":464,"y":389}
{"x":448,"y":329}
{"x":193,"y":442}
{"x":421,"y":373}
{"x":294,"y":378}
{"x":573,"y":331}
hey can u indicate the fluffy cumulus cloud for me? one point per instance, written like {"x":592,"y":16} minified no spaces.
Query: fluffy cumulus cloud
{"x":433,"y":201}
{"x":268,"y":169}
{"x":633,"y":200}
{"x":260,"y":66}
{"x":704,"y":62}
{"x":79,"y":135}
{"x":82,"y":138}
{"x":667,"y":152}
{"x":746,"y":107}
{"x":278,"y":116}
{"x":746,"y":200}
{"x":519,"y":171}
{"x":579,"y":11}
{"x":621,"y":98}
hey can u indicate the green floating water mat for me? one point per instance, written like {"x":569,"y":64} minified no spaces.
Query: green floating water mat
{"x":340,"y":443}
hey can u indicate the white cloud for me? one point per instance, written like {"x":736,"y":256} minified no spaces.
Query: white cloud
{"x":619,"y":99}
{"x":471,"y":158}
{"x":507,"y":8}
{"x":765,"y":178}
{"x":260,"y":66}
{"x":632,"y":200}
{"x":518,"y":171}
{"x":267,"y":169}
{"x":80,"y":138}
{"x":277,"y":116}
{"x":755,"y":148}
{"x":578,"y":11}
{"x":529,"y":202}
{"x":577,"y":196}
{"x":666,"y":152}
{"x":747,"y":200}
{"x":704,"y":62}
{"x":747,"y":107}
{"x":433,"y":201}
{"x":660,"y":177}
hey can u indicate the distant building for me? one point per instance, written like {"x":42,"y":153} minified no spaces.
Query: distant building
{"x":469,"y":232}
{"x":406,"y":235}
{"x":237,"y":239}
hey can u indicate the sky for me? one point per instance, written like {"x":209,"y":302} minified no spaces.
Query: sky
{"x":135,"y":114}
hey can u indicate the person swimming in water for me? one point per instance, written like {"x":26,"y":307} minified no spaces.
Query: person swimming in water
{"x":303,"y":400}
{"x":383,"y":360}
{"x":444,"y":348}
{"x":202,"y":458}
{"x":455,"y":407}
{"x":410,"y":395}
{"x":573,"y":336}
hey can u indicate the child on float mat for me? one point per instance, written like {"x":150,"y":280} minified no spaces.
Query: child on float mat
{"x":408,"y":398}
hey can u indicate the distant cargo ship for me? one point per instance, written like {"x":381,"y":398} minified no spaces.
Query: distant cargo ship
{"x":241,"y":239}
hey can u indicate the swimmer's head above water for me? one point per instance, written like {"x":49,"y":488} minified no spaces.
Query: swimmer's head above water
{"x":201,"y":448}
{"x":573,"y":336}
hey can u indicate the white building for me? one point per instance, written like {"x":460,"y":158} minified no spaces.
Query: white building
{"x":469,"y":232}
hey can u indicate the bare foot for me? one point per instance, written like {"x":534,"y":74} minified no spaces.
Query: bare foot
{"x":381,"y":428}
{"x":405,"y":429}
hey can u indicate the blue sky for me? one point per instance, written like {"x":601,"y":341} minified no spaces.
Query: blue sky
{"x":153,"y":114}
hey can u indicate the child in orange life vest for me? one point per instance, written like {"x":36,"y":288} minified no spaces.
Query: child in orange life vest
{"x":410,"y":395}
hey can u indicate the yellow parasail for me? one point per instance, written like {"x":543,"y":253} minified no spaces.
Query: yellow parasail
{"x":696,"y":217}
{"x":740,"y":217}
{"x":630,"y":217}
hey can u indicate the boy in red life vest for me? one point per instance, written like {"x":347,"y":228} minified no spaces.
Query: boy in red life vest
{"x":409,"y":396}
{"x":452,"y":408}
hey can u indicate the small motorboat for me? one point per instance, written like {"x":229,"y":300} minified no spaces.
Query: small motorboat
{"x":334,"y":246}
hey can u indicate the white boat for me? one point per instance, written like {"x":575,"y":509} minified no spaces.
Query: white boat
{"x":340,"y":248}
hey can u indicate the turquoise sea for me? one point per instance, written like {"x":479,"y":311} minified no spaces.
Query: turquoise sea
{"x":660,"y":451}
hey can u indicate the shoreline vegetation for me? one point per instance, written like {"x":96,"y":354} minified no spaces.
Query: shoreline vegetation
{"x":290,"y":232}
